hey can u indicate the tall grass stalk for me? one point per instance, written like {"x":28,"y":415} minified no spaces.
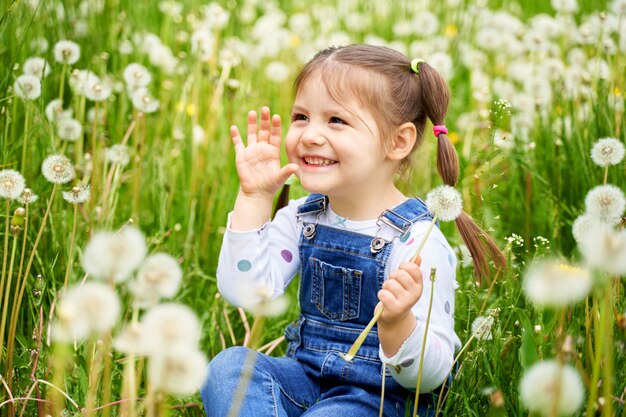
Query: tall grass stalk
{"x":433,"y":277}
{"x":6,"y":278}
{"x":70,"y":256}
{"x":8,"y":371}
{"x":25,"y":135}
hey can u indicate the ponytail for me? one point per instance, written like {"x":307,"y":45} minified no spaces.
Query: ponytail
{"x":435,"y":98}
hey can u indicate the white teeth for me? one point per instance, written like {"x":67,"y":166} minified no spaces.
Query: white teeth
{"x":317,"y":161}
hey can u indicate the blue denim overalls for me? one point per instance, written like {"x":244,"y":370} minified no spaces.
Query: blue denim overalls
{"x":341,"y":274}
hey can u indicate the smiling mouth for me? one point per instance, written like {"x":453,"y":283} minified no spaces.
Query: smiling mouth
{"x":317,"y":161}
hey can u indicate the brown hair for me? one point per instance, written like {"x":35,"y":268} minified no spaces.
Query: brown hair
{"x":385,"y":82}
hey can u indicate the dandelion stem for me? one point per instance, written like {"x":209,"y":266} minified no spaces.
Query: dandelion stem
{"x":423,"y":242}
{"x":595,"y":376}
{"x":25,"y":136}
{"x":607,"y":335}
{"x":7,"y":291}
{"x":70,"y":257}
{"x":62,"y":84}
{"x":606,"y":174}
{"x":382,"y":391}
{"x":433,"y":276}
{"x":244,"y":380}
{"x":4,"y":266}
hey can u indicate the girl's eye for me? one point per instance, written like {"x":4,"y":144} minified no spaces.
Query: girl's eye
{"x":337,"y":120}
{"x":298,"y":116}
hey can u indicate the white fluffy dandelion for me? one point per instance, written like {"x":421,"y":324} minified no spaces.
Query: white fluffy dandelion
{"x":444,"y":202}
{"x":80,"y":79}
{"x":114,"y":256}
{"x":130,"y":339}
{"x":143,"y":101}
{"x":481,"y":327}
{"x":159,"y":276}
{"x":607,"y":151}
{"x":55,"y":112}
{"x":66,"y":52}
{"x":555,"y":284}
{"x":12,"y":184}
{"x":605,"y":249}
{"x":605,"y":201}
{"x":37,"y":67}
{"x":118,"y":154}
{"x":97,"y":90}
{"x":168,"y":325}
{"x":260,"y":300}
{"x":548,"y":384}
{"x":90,"y":308}
{"x":58,"y":169}
{"x":77,"y":195}
{"x":27,"y":87}
{"x":178,"y":371}
{"x":136,"y":75}
{"x":27,"y":196}
{"x":69,"y":129}
{"x":277,"y":71}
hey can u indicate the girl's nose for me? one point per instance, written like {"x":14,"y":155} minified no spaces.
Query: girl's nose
{"x":313,"y":135}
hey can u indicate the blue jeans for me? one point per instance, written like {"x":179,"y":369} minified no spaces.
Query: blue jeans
{"x":283,"y":387}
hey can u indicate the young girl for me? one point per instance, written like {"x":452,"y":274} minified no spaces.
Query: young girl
{"x":359,"y":113}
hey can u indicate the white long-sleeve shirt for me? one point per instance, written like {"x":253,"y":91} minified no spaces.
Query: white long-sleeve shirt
{"x":269,"y":257}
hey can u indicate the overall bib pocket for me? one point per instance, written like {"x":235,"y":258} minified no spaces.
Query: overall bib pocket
{"x":336,"y":290}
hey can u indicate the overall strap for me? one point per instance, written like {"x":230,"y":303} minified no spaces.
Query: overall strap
{"x":314,"y":204}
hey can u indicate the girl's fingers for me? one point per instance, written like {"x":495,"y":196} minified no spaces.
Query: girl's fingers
{"x":264,"y":128}
{"x":252,"y":138}
{"x":237,"y":141}
{"x":277,"y":131}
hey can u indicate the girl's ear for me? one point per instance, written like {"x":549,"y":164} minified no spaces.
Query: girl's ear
{"x":403,"y":142}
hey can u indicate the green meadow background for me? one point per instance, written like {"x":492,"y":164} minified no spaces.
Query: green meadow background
{"x":179,"y":186}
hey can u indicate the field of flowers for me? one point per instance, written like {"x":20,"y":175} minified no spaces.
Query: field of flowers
{"x":117,"y":173}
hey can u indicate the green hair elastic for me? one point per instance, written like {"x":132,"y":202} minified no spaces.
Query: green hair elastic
{"x":415,"y":65}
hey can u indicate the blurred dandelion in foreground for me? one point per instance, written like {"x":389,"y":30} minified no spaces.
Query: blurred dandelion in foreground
{"x":159,"y":276}
{"x":69,"y":129}
{"x":58,"y":169}
{"x":77,"y":195}
{"x":136,"y":75}
{"x":66,"y":52}
{"x":169,"y":325}
{"x":548,"y":385}
{"x":55,"y":112}
{"x":27,"y":87}
{"x":553,"y":283}
{"x":605,"y":249}
{"x":605,"y":201}
{"x":118,"y":154}
{"x":90,"y":308}
{"x":179,"y":371}
{"x":12,"y":184}
{"x":482,"y":327}
{"x":143,"y":101}
{"x":36,"y":66}
{"x":114,"y":256}
{"x":260,"y":300}
{"x":607,"y":151}
{"x":130,"y":339}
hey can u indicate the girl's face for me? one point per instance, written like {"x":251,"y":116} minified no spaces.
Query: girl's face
{"x":337,"y":147}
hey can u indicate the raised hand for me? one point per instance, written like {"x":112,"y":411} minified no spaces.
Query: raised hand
{"x":258,"y":163}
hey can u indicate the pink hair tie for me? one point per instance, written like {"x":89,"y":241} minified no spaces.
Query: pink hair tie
{"x":439,"y":129}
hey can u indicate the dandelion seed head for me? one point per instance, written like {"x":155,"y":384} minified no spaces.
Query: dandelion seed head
{"x":57,"y":169}
{"x":12,"y":184}
{"x":605,"y":249}
{"x":143,"y":101}
{"x":444,"y":202}
{"x":27,"y":197}
{"x":168,"y":325}
{"x":178,"y":371}
{"x":606,"y":202}
{"x":77,"y":195}
{"x":80,"y":80}
{"x":85,"y":309}
{"x":118,"y":154}
{"x":69,"y":129}
{"x":54,"y":111}
{"x":97,"y":89}
{"x":277,"y":71}
{"x":27,"y":87}
{"x":130,"y":339}
{"x":607,"y":151}
{"x":503,"y":140}
{"x":159,"y":276}
{"x":260,"y":300}
{"x":482,"y":326}
{"x":114,"y":256}
{"x":552,"y":283}
{"x":539,"y":385}
{"x":37,"y":67}
{"x":66,"y":52}
{"x":136,"y":75}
